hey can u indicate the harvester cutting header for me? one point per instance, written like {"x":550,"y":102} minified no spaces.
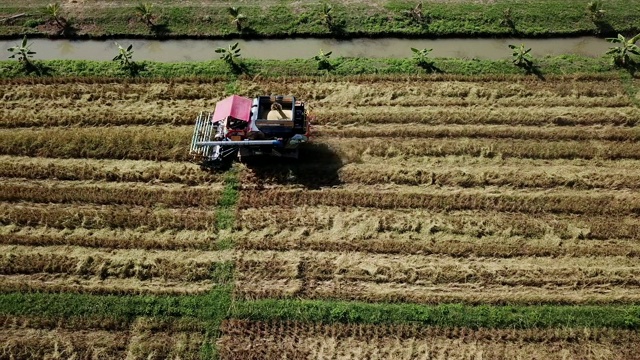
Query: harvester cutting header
{"x":243,"y":127}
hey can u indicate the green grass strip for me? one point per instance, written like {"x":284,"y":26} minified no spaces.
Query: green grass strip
{"x":389,"y":18}
{"x":446,"y":315}
{"x":558,"y":65}
{"x":226,"y":215}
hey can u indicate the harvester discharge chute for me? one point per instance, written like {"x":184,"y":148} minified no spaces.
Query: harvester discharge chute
{"x":243,"y":127}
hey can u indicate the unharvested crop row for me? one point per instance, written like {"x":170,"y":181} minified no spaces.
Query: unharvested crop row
{"x":480,"y":174}
{"x":111,"y":217}
{"x":105,"y":170}
{"x":309,"y":340}
{"x":96,"y":344}
{"x":108,"y":238}
{"x":368,"y":223}
{"x":569,"y":202}
{"x":353,"y":150}
{"x":109,"y":193}
{"x":561,"y":115}
{"x":135,"y":143}
{"x":554,"y":133}
{"x":185,"y":266}
{"x":96,"y":89}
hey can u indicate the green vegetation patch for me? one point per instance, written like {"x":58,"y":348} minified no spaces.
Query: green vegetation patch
{"x":558,"y":65}
{"x":285,"y":19}
{"x":445,"y":315}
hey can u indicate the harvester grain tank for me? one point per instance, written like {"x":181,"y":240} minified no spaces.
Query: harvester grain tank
{"x":241,"y":127}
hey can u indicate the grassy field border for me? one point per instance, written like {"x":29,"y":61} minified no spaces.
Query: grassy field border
{"x":216,"y":69}
{"x":506,"y":18}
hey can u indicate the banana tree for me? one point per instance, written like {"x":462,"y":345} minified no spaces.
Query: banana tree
{"x":22,"y":52}
{"x":595,"y":11}
{"x":323,"y":60}
{"x":421,"y":57}
{"x":621,"y":55}
{"x":521,"y":56}
{"x":229,"y":54}
{"x":237,"y":17}
{"x":54,"y":12}
{"x":327,"y":15}
{"x":145,"y":12}
{"x":125,"y":57}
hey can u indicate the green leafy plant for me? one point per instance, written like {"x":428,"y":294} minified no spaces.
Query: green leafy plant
{"x":521,"y":56}
{"x":22,"y":52}
{"x":595,"y":11}
{"x":237,"y":17}
{"x":507,"y":19}
{"x":621,"y":55}
{"x":145,"y":12}
{"x":229,"y":54}
{"x":327,"y":15}
{"x":53,"y":11}
{"x":125,"y":58}
{"x":421,"y":57}
{"x":323,"y":60}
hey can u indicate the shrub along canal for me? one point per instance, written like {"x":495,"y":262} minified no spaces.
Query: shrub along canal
{"x":285,"y":49}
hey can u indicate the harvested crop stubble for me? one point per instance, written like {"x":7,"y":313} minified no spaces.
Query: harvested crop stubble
{"x":437,"y":278}
{"x":482,"y":172}
{"x":354,"y":149}
{"x":187,"y":266}
{"x":585,"y":202}
{"x":132,"y":142}
{"x":555,"y":133}
{"x":62,"y":216}
{"x":304,"y":340}
{"x":62,"y":283}
{"x":425,"y":91}
{"x":100,"y":344}
{"x":108,"y":238}
{"x":367,"y":223}
{"x":105,"y":170}
{"x":109,"y":193}
{"x":441,"y":114}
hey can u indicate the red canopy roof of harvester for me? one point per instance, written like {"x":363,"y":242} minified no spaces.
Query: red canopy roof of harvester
{"x":235,"y":106}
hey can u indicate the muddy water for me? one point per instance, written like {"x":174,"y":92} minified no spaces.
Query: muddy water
{"x":282,"y":49}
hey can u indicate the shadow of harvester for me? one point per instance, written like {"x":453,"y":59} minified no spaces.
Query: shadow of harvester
{"x":316,"y":167}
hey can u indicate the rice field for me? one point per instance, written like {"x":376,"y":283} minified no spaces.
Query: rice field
{"x":483,"y":192}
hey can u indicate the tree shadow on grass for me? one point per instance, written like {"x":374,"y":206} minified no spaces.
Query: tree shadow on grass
{"x":317,"y":166}
{"x":160,"y":30}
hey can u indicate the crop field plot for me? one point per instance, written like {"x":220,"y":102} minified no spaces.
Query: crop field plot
{"x":498,"y":195}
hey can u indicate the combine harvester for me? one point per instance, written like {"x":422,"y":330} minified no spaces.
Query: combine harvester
{"x":241,"y":127}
